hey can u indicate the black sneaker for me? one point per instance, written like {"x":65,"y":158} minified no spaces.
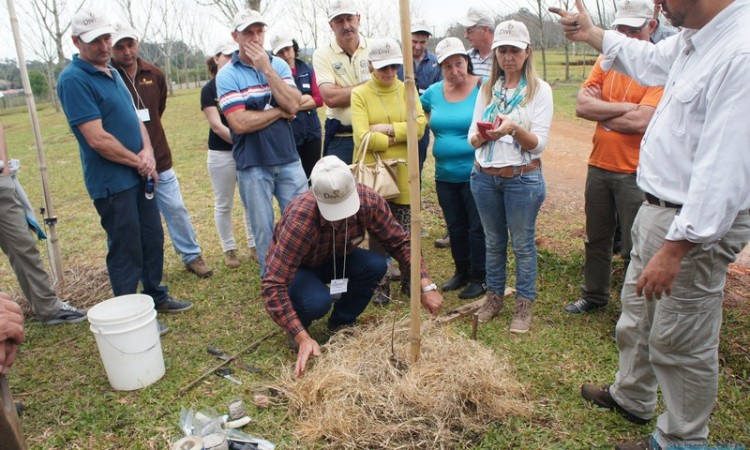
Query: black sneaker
{"x":66,"y":314}
{"x":600,"y":396}
{"x":473,"y":290}
{"x":163,"y":329}
{"x":173,"y":306}
{"x":582,"y":305}
{"x":443,"y":242}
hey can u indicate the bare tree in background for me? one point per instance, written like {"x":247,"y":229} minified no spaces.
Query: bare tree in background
{"x":540,"y":11}
{"x":48,"y":14}
{"x":140,"y":22}
{"x":230,"y":8}
{"x":310,"y":19}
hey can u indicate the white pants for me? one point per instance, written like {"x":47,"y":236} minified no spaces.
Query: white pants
{"x":223,"y":171}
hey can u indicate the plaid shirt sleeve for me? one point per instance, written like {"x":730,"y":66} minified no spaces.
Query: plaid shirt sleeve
{"x":293,"y":237}
{"x":387,"y":230}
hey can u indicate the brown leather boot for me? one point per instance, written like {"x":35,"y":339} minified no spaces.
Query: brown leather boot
{"x":491,"y":307}
{"x":522,"y":316}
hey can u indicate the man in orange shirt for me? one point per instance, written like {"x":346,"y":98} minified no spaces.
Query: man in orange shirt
{"x":622,"y":109}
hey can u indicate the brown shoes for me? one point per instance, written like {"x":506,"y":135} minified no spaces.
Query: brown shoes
{"x":600,"y":396}
{"x":491,"y":307}
{"x":231,"y":260}
{"x":198,"y":267}
{"x":521,"y":316}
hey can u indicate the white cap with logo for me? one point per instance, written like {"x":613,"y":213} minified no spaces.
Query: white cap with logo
{"x":421,"y":26}
{"x":341,"y":7}
{"x":89,"y":24}
{"x":384,"y":52}
{"x":280,"y":41}
{"x":245,"y":18}
{"x":123,"y":30}
{"x":225,"y":48}
{"x":478,"y":17}
{"x":448,"y":47}
{"x":511,"y":32}
{"x":334,"y":188}
{"x":634,"y":13}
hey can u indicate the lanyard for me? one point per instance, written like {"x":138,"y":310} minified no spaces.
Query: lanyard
{"x":333,"y":244}
{"x":140,"y":104}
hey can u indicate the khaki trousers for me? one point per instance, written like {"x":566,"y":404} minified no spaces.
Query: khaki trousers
{"x":673,"y":343}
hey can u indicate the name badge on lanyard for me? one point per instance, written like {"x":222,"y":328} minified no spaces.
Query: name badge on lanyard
{"x":338,"y":286}
{"x":143,"y":115}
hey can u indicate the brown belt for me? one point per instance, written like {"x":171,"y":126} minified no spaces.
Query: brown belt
{"x":653,"y":200}
{"x":510,"y":171}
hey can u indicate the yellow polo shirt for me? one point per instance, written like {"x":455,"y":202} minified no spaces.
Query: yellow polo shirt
{"x":333,"y":65}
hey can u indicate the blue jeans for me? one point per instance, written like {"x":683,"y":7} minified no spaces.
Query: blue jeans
{"x":258,"y":186}
{"x":464,"y":225}
{"x":510,"y":204}
{"x":135,"y":242}
{"x":169,"y":199}
{"x":312,"y":298}
{"x":341,"y":146}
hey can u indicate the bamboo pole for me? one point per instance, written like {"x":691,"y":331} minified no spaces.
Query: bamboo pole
{"x":50,"y":220}
{"x":412,"y":162}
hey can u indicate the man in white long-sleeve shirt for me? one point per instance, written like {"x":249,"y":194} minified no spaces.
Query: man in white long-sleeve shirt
{"x":695,"y":170}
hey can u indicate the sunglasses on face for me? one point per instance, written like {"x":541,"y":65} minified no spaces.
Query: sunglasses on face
{"x":629,"y":31}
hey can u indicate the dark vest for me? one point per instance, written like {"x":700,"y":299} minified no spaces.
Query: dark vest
{"x":307,"y":124}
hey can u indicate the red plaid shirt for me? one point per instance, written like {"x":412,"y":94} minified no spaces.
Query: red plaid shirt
{"x":304,"y":238}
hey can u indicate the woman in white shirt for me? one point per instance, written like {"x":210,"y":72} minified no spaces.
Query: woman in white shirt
{"x":510,"y":129}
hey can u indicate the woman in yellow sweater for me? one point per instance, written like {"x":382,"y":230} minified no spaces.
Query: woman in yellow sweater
{"x":379,"y":108}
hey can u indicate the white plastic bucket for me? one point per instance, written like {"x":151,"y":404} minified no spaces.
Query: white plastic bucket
{"x":127,"y":335}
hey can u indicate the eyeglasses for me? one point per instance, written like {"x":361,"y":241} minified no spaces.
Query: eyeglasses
{"x":471,"y":29}
{"x":629,"y":31}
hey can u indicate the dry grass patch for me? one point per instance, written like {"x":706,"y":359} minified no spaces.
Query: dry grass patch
{"x":360,"y":394}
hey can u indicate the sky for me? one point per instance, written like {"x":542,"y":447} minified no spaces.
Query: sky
{"x":441,"y":13}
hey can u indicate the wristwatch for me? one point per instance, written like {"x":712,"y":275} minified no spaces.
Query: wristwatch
{"x":429,"y":287}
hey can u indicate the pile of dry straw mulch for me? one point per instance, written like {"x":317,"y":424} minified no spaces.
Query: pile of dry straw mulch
{"x":359,"y":394}
{"x":83,"y":286}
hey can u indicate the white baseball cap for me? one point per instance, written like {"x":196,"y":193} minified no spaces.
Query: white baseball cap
{"x":384,"y":52}
{"x":123,"y":31}
{"x":421,"y":26}
{"x":225,"y":48}
{"x":245,"y":18}
{"x":634,"y":13}
{"x":281,"y":40}
{"x":89,"y":24}
{"x":334,"y":188}
{"x":448,"y":47}
{"x":477,"y":17}
{"x":511,"y":32}
{"x":341,"y":7}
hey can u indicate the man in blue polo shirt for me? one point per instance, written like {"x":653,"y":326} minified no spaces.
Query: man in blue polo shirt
{"x":117,"y":160}
{"x":259,"y":98}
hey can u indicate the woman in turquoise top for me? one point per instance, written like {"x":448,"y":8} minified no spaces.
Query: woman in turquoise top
{"x":450,"y":105}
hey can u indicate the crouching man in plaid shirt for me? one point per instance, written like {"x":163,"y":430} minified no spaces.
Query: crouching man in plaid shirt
{"x":316,"y":244}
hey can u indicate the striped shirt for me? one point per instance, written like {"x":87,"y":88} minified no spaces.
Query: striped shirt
{"x":303,"y":238}
{"x":482,"y":66}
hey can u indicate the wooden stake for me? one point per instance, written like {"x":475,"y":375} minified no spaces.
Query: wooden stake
{"x":210,"y":371}
{"x":11,"y":437}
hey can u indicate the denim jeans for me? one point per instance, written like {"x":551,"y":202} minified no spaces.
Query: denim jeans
{"x":223,"y":172}
{"x":510,"y":205}
{"x":135,"y":242}
{"x":258,"y":186}
{"x":171,"y":206}
{"x":312,"y":298}
{"x":464,"y":225}
{"x":608,"y":195}
{"x":341,"y":146}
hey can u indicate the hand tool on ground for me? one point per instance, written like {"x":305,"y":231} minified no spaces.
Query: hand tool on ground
{"x":225,"y":372}
{"x":224,"y":357}
{"x":252,"y":346}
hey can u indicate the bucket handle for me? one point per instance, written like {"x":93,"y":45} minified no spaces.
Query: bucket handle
{"x":104,"y":338}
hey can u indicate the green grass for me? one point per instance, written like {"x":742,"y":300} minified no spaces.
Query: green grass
{"x":60,"y":378}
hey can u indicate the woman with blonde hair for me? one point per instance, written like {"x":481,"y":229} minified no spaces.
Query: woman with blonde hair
{"x":512,"y":118}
